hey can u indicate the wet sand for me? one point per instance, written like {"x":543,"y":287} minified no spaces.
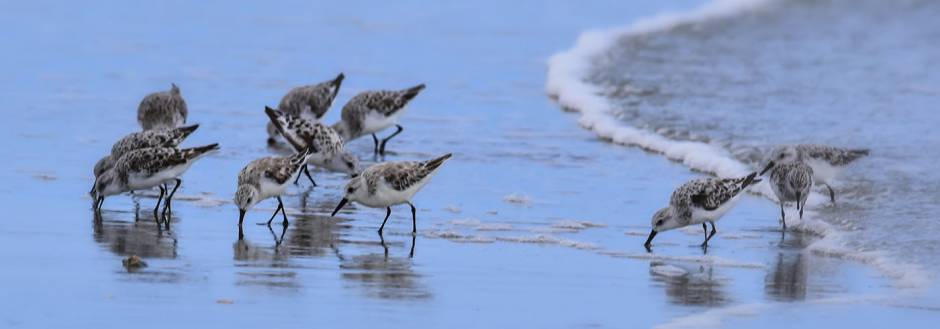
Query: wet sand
{"x":533,"y":223}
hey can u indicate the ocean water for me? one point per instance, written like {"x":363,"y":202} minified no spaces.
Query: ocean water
{"x":716,"y":87}
{"x":535,"y":222}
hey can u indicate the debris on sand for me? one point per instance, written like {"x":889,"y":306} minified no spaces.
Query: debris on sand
{"x":133,"y":263}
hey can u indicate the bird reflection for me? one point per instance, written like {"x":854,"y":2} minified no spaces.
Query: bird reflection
{"x":264,"y":265}
{"x":124,"y":238}
{"x":384,"y":275}
{"x":314,"y":235}
{"x":695,"y":285}
{"x":787,"y":279}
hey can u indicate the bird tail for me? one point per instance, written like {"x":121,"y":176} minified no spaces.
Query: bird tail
{"x":410,"y":93}
{"x":857,"y":153}
{"x":749,"y":180}
{"x":433,"y":164}
{"x":185,"y":131}
{"x":199,"y":151}
{"x":339,"y":80}
{"x":281,"y":121}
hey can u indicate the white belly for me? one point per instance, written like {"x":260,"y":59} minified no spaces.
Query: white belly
{"x":702,"y":215}
{"x":823,"y":172}
{"x":138,"y":182}
{"x":270,"y":188}
{"x":375,"y":122}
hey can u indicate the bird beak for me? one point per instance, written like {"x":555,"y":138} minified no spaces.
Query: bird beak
{"x":769,"y":165}
{"x":241,"y":217}
{"x":340,"y":206}
{"x":649,"y":240}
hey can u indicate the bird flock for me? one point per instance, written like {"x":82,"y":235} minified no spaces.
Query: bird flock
{"x":152,"y":158}
{"x":794,"y":169}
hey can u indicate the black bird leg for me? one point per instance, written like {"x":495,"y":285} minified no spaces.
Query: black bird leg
{"x":375,"y":140}
{"x":168,"y":206}
{"x":832,"y":194}
{"x":386,"y":139}
{"x":160,"y":198}
{"x":307,"y":173}
{"x":414,"y":221}
{"x":412,"y":253}
{"x":273,"y":215}
{"x":388,"y":212}
{"x":783,"y":216}
{"x":285,"y":223}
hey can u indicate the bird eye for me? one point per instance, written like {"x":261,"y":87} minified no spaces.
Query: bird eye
{"x":349,"y":164}
{"x":350,"y":190}
{"x":659,"y":222}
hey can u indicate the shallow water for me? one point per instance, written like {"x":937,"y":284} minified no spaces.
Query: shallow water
{"x":533,"y":223}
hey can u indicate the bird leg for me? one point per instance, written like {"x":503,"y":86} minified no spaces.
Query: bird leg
{"x":386,"y":139}
{"x":167,"y":206}
{"x":832,"y":194}
{"x":280,"y":206}
{"x":799,"y":207}
{"x":160,"y":198}
{"x":388,"y":212}
{"x":708,"y":236}
{"x":783,"y":216}
{"x":307,"y":173}
{"x":375,"y":140}
{"x":412,"y":253}
{"x":285,"y":223}
{"x":414,"y":221}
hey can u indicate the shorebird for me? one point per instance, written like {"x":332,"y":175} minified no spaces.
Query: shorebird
{"x":265,"y":178}
{"x":372,"y":111}
{"x":330,"y":154}
{"x":145,"y":168}
{"x":825,"y":160}
{"x":391,"y":183}
{"x":702,"y":201}
{"x":139,"y":140}
{"x":790,"y":181}
{"x":162,"y":110}
{"x":309,"y":102}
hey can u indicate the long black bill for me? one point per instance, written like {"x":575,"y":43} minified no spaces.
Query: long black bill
{"x":769,"y":165}
{"x":340,"y":206}
{"x":650,"y":239}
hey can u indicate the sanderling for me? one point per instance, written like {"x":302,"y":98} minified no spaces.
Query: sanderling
{"x":265,"y":178}
{"x":391,"y":183}
{"x":790,"y":181}
{"x":162,"y":110}
{"x":308,"y":102}
{"x":145,"y":168}
{"x":703,"y":201}
{"x":825,"y":160}
{"x":372,"y":111}
{"x":330,"y":154}
{"x":139,"y":140}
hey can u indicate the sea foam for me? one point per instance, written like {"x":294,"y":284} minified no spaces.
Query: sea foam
{"x":566,"y":82}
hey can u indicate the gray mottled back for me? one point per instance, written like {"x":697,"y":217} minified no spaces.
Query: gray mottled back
{"x":162,"y":110}
{"x":277,"y":168}
{"x":833,"y":155}
{"x":707,"y":194}
{"x":301,"y":133}
{"x":149,"y":161}
{"x":313,"y":99}
{"x":384,"y":102}
{"x":401,"y":175}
